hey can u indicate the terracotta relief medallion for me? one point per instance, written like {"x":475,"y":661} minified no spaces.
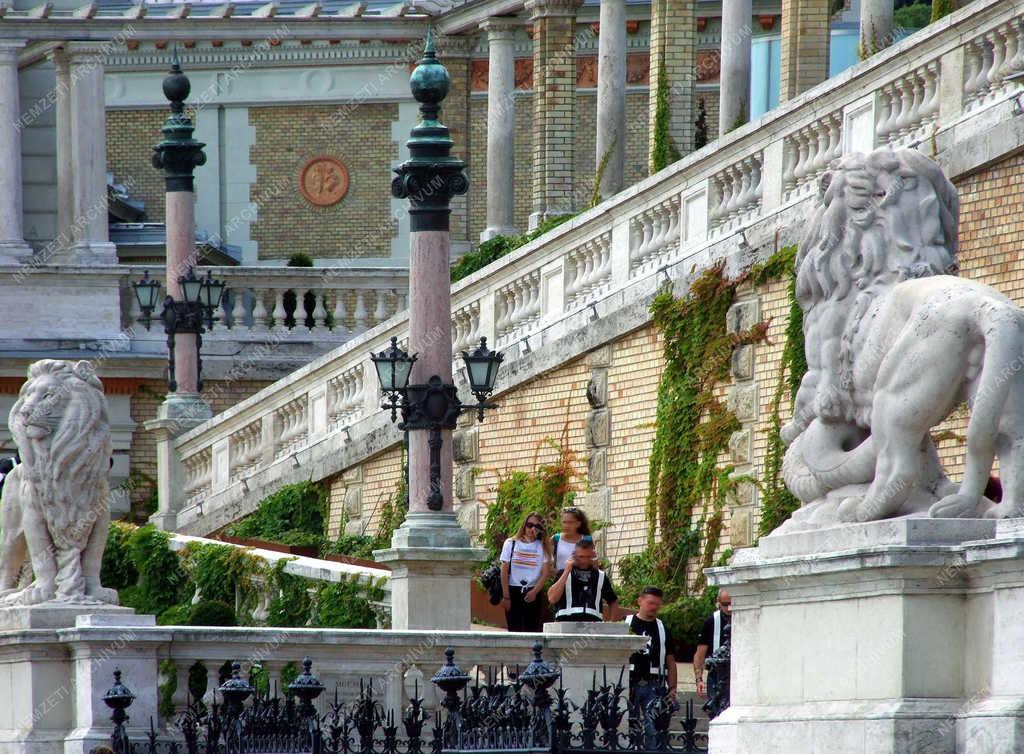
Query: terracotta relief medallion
{"x":524,"y":73}
{"x":323,"y":181}
{"x":586,"y":71}
{"x":478,"y":75}
{"x":709,"y":62}
{"x":638,"y":69}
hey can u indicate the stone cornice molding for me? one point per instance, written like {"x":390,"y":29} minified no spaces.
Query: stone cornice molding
{"x":262,"y":55}
{"x":552,"y":8}
{"x":455,"y":46}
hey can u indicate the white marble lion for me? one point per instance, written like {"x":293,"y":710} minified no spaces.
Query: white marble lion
{"x":56,"y":502}
{"x":894,"y":343}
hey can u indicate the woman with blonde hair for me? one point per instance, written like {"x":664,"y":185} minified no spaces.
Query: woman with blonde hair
{"x":525,"y":565}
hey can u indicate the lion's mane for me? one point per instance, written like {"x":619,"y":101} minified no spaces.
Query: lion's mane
{"x":856,"y":240}
{"x":65,"y":471}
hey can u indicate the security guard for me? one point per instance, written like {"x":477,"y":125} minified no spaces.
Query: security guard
{"x":654,"y":665}
{"x":582,"y":587}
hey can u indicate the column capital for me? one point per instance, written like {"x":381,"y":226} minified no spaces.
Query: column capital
{"x":547,"y":8}
{"x":86,"y":52}
{"x":500,"y":28}
{"x":10,"y":49}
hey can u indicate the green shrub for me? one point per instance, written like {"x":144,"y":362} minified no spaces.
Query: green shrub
{"x":118,"y":571}
{"x":162,"y":581}
{"x":300,"y":259}
{"x":174,"y":616}
{"x":346,"y":604}
{"x":942,"y":8}
{"x":294,"y":508}
{"x":212,"y":613}
{"x":916,"y":16}
{"x":165,"y":690}
{"x":224,"y":573}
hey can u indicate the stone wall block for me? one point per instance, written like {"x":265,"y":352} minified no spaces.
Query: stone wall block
{"x":465,"y":445}
{"x":465,"y":483}
{"x":354,"y":501}
{"x":599,"y":428}
{"x":739,"y":527}
{"x":743,"y":315}
{"x":597,"y":467}
{"x":597,"y":388}
{"x":741,"y":447}
{"x":600,"y":357}
{"x":742,"y":401}
{"x":743,"y":363}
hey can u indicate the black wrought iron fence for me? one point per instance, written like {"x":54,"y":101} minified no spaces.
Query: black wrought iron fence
{"x":511,"y":713}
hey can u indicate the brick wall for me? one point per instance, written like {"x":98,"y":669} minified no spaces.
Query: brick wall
{"x":357,"y":496}
{"x":358,"y":135}
{"x":586,"y":146}
{"x":805,"y":46}
{"x":673,"y":35}
{"x":131,"y":135}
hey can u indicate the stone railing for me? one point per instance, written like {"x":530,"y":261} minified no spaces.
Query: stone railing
{"x":293,"y":302}
{"x":934,"y":90}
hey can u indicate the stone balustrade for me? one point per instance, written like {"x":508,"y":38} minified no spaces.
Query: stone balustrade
{"x":287,"y":302}
{"x":935,"y":90}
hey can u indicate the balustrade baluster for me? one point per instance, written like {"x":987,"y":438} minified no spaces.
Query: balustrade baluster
{"x":998,"y":44}
{"x":319,"y":312}
{"x":360,"y":312}
{"x":380,"y":312}
{"x":1016,"y":30}
{"x":279,"y":313}
{"x":260,"y":315}
{"x":340,"y":316}
{"x":238,"y":313}
{"x":930,"y":109}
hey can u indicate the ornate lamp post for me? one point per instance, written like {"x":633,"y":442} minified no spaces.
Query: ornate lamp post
{"x":190,"y":301}
{"x":202,"y":299}
{"x":430,"y":556}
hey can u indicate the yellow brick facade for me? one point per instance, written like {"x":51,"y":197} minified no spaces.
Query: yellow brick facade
{"x":131,"y":134}
{"x":359,"y":136}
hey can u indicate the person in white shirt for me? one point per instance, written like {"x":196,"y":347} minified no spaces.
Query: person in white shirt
{"x":525,"y":564}
{"x":575,"y":526}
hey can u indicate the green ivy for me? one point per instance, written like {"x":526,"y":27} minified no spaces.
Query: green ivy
{"x":916,"y":16}
{"x":545,"y":491}
{"x":663,"y":150}
{"x":223,"y":574}
{"x":602,"y":167}
{"x":777,"y":502}
{"x":495,"y":248}
{"x":162,"y":581}
{"x":296,"y":512}
{"x":687,"y":490}
{"x":307,"y":602}
{"x":118,"y":570}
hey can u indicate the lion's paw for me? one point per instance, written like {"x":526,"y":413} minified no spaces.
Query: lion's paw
{"x":32,"y":595}
{"x":103,"y":594}
{"x":956,"y":506}
{"x":849,"y":510}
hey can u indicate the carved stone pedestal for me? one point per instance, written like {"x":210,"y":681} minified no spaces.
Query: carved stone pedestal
{"x":52,"y":681}
{"x":886,"y":637}
{"x":432,"y":564}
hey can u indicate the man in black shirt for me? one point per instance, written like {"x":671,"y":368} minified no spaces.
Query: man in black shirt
{"x":654,"y":665}
{"x":6,"y":467}
{"x":582,"y":587}
{"x":710,"y":638}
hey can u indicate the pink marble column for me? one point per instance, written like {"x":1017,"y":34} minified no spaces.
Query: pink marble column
{"x":430,"y":336}
{"x":181,"y":255}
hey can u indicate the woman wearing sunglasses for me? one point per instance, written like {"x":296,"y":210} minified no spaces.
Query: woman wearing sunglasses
{"x":575,"y":526}
{"x":525,"y":565}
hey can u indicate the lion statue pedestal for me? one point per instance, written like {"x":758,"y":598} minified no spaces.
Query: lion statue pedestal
{"x":884,"y":616}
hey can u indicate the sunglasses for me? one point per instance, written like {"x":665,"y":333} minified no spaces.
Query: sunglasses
{"x":534,"y":526}
{"x":573,"y":511}
{"x":726,"y":604}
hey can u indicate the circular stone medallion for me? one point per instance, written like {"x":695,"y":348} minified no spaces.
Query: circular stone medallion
{"x":323,"y":181}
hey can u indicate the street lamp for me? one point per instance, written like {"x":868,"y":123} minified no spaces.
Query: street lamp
{"x":202,"y":297}
{"x":434,"y":406}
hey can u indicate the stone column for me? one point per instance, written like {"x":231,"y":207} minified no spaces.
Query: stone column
{"x":65,"y":160}
{"x":554,"y":107}
{"x":183,"y":408}
{"x":501,"y":127}
{"x":734,"y":107}
{"x":611,"y":97}
{"x":89,"y":147}
{"x":457,"y":52}
{"x":875,"y":26}
{"x":430,"y":556}
{"x":671,"y":111}
{"x":13,"y":249}
{"x":805,"y":46}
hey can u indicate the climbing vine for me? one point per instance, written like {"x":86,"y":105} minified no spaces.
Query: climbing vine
{"x":942,"y":8}
{"x":777,"y":502}
{"x":663,"y":150}
{"x":495,"y":248}
{"x":688,"y":489}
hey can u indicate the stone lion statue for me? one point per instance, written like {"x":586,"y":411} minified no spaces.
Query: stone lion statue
{"x":56,"y":503}
{"x":895,"y":341}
